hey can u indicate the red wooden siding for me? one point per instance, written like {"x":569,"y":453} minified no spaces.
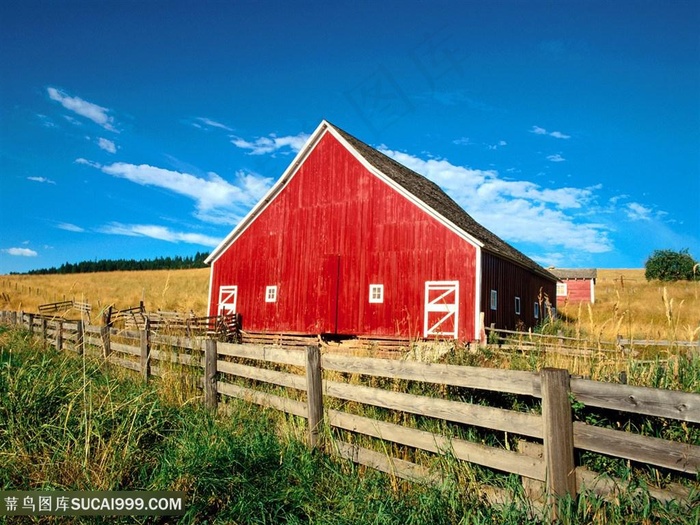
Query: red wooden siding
{"x":510,"y":281}
{"x":330,"y":233}
{"x":577,"y":290}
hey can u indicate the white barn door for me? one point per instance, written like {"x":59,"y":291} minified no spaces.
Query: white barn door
{"x":228,"y":296}
{"x":441,"y":309}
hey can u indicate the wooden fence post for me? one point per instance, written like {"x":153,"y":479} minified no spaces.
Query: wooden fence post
{"x":314,"y":391}
{"x":31,"y":323}
{"x":558,"y":437}
{"x":145,"y":351}
{"x":58,"y":338}
{"x":106,"y":347}
{"x":79,"y":337}
{"x":210,"y":374}
{"x":44,"y":335}
{"x":14,"y":318}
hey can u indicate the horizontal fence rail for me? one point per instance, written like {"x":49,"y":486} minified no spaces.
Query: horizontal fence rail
{"x":324,"y":388}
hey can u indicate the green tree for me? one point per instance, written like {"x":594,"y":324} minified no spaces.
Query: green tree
{"x":667,"y":265}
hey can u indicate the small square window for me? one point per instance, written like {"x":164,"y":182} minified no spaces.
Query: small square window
{"x":271,"y":294}
{"x":494,"y":299}
{"x":517,"y":306}
{"x":561,"y":289}
{"x":537,"y":310}
{"x":376,"y":293}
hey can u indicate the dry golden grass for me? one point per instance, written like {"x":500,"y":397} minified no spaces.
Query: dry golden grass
{"x":172,"y":290}
{"x":628,"y":305}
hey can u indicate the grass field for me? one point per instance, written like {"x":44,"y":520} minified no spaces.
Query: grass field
{"x":72,"y":423}
{"x":626,"y":304}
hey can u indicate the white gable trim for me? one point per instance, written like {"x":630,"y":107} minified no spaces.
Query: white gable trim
{"x":276,"y":188}
{"x":291,"y":170}
{"x":404,"y":192}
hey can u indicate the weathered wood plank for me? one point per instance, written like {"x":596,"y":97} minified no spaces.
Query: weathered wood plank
{"x":491,"y":457}
{"x":511,"y":381}
{"x":124,"y":363}
{"x":269,"y":376}
{"x":174,"y":357}
{"x":264,"y":353}
{"x":379,"y":461}
{"x":481,"y":416}
{"x":125,"y":349}
{"x":290,"y":406}
{"x":671,"y":404}
{"x":654,"y":451}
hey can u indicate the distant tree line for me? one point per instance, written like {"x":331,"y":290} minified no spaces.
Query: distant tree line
{"x":113,"y":265}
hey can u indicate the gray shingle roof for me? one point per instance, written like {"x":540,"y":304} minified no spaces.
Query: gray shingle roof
{"x":574,"y":273}
{"x":434,"y":197}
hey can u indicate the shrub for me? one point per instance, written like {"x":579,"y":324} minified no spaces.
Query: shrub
{"x":667,"y":265}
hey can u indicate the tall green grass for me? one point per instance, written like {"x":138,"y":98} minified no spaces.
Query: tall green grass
{"x":70,"y":423}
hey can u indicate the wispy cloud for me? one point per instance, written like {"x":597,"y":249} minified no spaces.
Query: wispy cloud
{"x":69,"y":227}
{"x":77,"y":105}
{"x":107,"y":145}
{"x":556,"y":134}
{"x":499,"y":144}
{"x":216,"y":200}
{"x":201,"y":122}
{"x":20,"y":252}
{"x":556,"y":158}
{"x":272,"y":144}
{"x":43,"y":180}
{"x":637,"y":212}
{"x":159,"y":232}
{"x":510,"y":208}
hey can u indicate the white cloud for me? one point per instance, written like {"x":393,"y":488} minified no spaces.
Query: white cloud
{"x":69,"y":227}
{"x":556,"y":134}
{"x":160,"y":233}
{"x":211,"y":123}
{"x":97,"y":114}
{"x":518,"y":211}
{"x":21,"y":252}
{"x":272,"y":144}
{"x":555,"y":158}
{"x":637,"y":212}
{"x":216,"y":200}
{"x":559,"y":135}
{"x":107,"y":145}
{"x":43,"y":180}
{"x":462,"y":141}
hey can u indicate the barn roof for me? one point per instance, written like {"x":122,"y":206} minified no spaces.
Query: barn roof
{"x":420,"y":188}
{"x":574,"y":273}
{"x":434,"y":197}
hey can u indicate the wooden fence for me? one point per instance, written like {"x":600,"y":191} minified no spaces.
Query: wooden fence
{"x":510,"y":339}
{"x":325,"y":390}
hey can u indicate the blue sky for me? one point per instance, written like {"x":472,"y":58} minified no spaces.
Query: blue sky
{"x":144,"y":129}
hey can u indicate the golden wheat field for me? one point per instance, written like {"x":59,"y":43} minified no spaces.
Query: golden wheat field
{"x":626,"y":304}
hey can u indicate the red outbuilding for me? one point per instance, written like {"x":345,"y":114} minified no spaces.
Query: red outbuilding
{"x":350,"y":242}
{"x":576,"y":285}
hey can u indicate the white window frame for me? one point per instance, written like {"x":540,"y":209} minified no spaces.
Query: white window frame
{"x":517,"y":305}
{"x":562,"y":290}
{"x":493,"y":302}
{"x":271,"y":294}
{"x":376,"y":293}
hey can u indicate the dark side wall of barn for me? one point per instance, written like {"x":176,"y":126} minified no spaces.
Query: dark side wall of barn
{"x":509,"y":281}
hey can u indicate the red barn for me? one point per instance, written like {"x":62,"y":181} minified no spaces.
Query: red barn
{"x":575,"y":285}
{"x":350,"y":242}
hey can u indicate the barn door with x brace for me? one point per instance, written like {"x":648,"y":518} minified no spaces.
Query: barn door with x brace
{"x":227,"y":300}
{"x":441,"y":309}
